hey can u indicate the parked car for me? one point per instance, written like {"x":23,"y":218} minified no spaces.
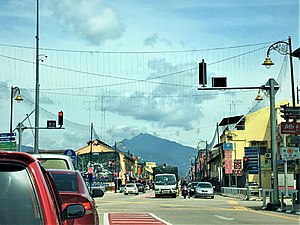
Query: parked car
{"x":204,"y":189}
{"x":28,"y":194}
{"x":191,"y":188}
{"x":131,"y":188}
{"x":55,"y":161}
{"x":96,"y":190}
{"x":73,"y":189}
{"x":253,"y":187}
{"x":140,"y":187}
{"x":122,"y":188}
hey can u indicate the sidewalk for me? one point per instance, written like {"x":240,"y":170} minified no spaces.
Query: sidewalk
{"x":287,"y":208}
{"x":259,"y":205}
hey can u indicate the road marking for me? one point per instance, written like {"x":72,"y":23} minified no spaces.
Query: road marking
{"x":133,"y":218}
{"x":233,"y":202}
{"x":236,"y":205}
{"x":275,"y":215}
{"x":160,"y":219}
{"x":224,"y":218}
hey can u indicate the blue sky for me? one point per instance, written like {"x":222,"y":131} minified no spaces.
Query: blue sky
{"x":131,"y":66}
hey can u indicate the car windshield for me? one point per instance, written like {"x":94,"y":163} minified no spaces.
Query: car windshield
{"x":66,"y":182}
{"x":18,"y":201}
{"x":165,"y":180}
{"x":194,"y":184}
{"x":204,"y":185}
{"x":54,"y":163}
{"x":130,"y":185}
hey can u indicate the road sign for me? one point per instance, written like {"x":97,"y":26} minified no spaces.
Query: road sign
{"x":7,"y":135}
{"x":90,"y":170}
{"x":7,"y":139}
{"x":290,"y":152}
{"x":291,"y":112}
{"x":8,"y":145}
{"x":227,"y":146}
{"x":72,"y":154}
{"x":237,"y":164}
{"x":252,"y":154}
{"x":237,"y":172}
{"x":51,"y":124}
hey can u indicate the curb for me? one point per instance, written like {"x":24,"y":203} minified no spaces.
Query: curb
{"x":282,"y":211}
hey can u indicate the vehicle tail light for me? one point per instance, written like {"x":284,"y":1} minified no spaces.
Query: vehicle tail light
{"x":87,"y":205}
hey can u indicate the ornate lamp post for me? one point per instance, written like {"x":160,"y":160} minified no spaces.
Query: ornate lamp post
{"x":15,"y":93}
{"x":284,"y":48}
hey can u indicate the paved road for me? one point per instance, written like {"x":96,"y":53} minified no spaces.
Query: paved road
{"x":115,"y":208}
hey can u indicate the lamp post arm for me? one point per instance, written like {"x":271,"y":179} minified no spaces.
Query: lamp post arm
{"x":279,"y":46}
{"x":11,"y":108}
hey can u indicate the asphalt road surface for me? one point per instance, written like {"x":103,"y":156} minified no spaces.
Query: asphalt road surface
{"x":145,"y":209}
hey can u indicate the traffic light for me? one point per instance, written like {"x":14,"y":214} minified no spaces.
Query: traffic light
{"x":202,"y":73}
{"x":60,"y":118}
{"x":245,"y":163}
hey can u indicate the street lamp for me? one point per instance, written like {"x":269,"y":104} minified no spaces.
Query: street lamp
{"x":272,"y":87}
{"x":15,"y":93}
{"x":284,"y":48}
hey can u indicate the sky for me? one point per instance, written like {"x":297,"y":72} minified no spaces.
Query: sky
{"x":129,"y":67}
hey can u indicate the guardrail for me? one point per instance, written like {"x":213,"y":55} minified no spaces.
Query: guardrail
{"x":244,"y":194}
{"x":234,"y":192}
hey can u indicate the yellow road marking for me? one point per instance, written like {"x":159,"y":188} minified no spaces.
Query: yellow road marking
{"x":233,"y":202}
{"x":276,"y":215}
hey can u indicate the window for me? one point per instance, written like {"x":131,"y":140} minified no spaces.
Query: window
{"x":18,"y":201}
{"x":66,"y":182}
{"x":54,"y":163}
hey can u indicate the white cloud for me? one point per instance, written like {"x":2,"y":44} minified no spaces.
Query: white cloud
{"x":91,"y":20}
{"x":154,"y":39}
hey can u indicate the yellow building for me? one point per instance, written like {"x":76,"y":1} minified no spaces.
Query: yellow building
{"x":245,"y":131}
{"x":107,"y":161}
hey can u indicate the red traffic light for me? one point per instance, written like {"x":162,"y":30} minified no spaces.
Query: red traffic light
{"x":60,"y":118}
{"x":245,"y":159}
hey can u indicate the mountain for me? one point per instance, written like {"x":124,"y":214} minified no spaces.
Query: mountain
{"x":154,"y":149}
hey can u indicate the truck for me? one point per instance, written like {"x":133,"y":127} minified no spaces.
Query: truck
{"x":165,"y":181}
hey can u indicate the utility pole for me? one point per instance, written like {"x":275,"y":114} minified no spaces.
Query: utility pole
{"x":91,"y":143}
{"x":37,"y":85}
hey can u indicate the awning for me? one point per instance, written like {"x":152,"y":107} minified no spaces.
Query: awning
{"x":230,"y":120}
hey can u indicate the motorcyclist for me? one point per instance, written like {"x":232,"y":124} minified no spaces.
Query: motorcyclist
{"x":184,"y":188}
{"x":184,"y":183}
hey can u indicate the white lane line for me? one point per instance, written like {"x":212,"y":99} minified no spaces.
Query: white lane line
{"x":105,"y":219}
{"x":224,"y":218}
{"x":160,"y":219}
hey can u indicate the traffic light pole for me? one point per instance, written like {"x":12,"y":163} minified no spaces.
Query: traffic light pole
{"x":271,"y":87}
{"x":21,"y":128}
{"x":248,"y":188}
{"x":271,"y":83}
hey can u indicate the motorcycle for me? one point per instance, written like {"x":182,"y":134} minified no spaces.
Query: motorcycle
{"x":184,"y":191}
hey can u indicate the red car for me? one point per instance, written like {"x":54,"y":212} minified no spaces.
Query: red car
{"x":28,"y":194}
{"x":73,"y":190}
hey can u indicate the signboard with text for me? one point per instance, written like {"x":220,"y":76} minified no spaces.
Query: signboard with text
{"x":290,"y":112}
{"x":8,"y":141}
{"x":228,"y":161}
{"x":290,"y":152}
{"x":237,"y":167}
{"x":289,"y":128}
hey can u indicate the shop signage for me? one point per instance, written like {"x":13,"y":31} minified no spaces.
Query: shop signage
{"x":289,"y":128}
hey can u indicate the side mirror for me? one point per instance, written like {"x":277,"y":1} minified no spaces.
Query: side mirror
{"x":97,"y":193}
{"x":73,"y":211}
